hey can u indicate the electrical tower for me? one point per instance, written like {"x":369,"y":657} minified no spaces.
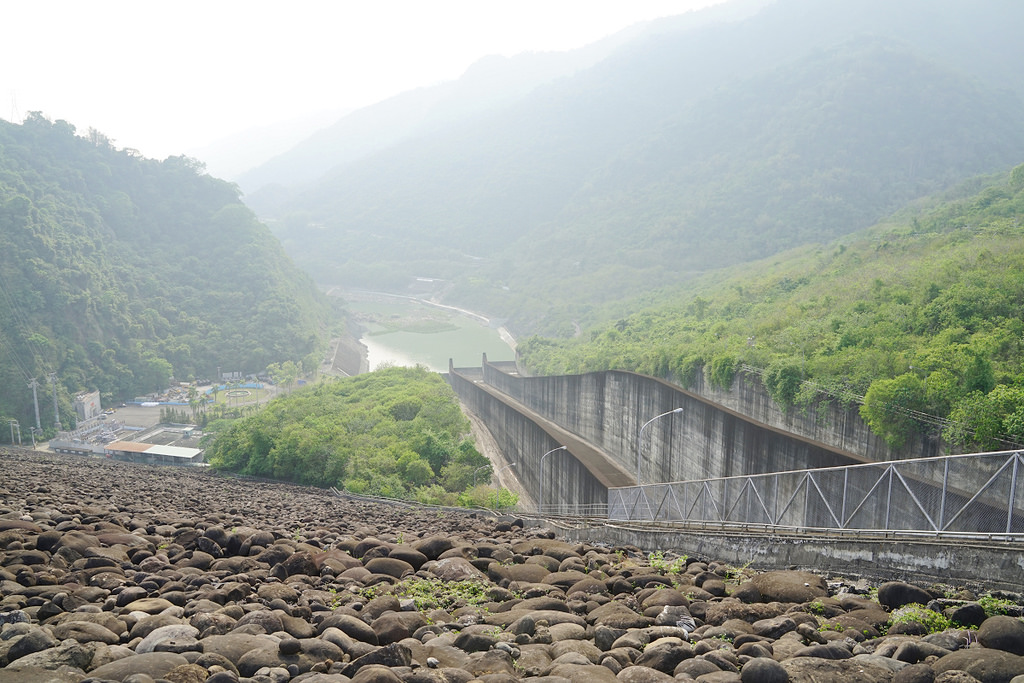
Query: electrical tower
{"x":33,"y":385}
{"x":56,"y":409}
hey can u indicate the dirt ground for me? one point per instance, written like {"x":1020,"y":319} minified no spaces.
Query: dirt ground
{"x":137,"y":416}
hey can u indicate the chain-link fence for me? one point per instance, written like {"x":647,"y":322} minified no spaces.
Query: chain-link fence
{"x":959,"y":494}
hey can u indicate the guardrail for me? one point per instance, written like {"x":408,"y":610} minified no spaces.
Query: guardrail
{"x":980,"y":493}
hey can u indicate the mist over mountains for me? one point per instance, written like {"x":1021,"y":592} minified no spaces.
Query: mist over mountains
{"x":694,"y":144}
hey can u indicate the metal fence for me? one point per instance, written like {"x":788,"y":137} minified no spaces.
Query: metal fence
{"x":959,"y":494}
{"x":572,"y":510}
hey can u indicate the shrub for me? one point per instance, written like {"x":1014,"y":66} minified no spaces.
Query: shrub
{"x":914,"y":612}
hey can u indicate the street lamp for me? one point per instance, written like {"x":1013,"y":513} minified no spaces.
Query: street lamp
{"x":478,"y":469}
{"x":497,"y":487}
{"x":640,"y":438}
{"x":540,"y":506}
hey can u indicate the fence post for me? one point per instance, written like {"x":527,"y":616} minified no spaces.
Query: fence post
{"x":942,"y":504}
{"x":1013,"y":492}
{"x":888,"y":500}
{"x":807,"y":497}
{"x":846,"y":481}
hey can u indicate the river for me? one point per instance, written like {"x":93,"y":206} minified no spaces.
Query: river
{"x":408,"y":332}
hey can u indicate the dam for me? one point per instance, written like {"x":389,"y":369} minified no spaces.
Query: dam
{"x":594,"y":485}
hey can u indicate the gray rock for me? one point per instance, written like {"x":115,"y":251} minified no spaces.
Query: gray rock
{"x":351,"y":626}
{"x":790,"y":586}
{"x":390,"y":566}
{"x":642,"y":674}
{"x":916,"y":673}
{"x":774,"y":628}
{"x":955,"y":677}
{"x":583,"y":673}
{"x":987,"y":665}
{"x":395,"y":654}
{"x":913,"y":652}
{"x":1002,"y":633}
{"x":233,"y":645}
{"x":35,"y":640}
{"x":971,"y":614}
{"x":456,"y":569}
{"x":763,"y":670}
{"x":895,"y":594}
{"x":376,"y":673}
{"x":816,"y":670}
{"x":694,"y":668}
{"x":153,"y":664}
{"x":392,"y":627}
{"x":164,"y":634}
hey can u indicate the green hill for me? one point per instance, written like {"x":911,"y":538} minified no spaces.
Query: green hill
{"x":395,"y":432}
{"x":117,"y":272}
{"x":920,"y":316}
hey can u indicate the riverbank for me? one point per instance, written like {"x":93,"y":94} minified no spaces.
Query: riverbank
{"x":118,"y":572}
{"x":408,"y":330}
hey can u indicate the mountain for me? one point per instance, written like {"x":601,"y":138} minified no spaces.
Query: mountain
{"x":235,"y":154}
{"x":117,"y":272}
{"x":693,"y":146}
{"x":489,"y":84}
{"x":918,"y":317}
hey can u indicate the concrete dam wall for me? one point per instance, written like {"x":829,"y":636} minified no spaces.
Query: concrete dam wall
{"x":598,"y":416}
{"x":578,"y":476}
{"x":826,"y":420}
{"x":602,"y":412}
{"x":705,"y":440}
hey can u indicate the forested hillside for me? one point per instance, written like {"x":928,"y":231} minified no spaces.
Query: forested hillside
{"x":919,"y":317}
{"x":690,"y":148}
{"x":118,"y":272}
{"x":395,"y":432}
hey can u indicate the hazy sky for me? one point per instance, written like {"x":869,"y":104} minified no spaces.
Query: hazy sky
{"x":170,"y":77}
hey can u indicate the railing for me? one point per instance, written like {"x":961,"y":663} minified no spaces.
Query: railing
{"x":959,"y":494}
{"x":599,"y":510}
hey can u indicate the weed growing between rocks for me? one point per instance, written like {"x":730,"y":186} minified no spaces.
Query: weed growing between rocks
{"x":662,"y":566}
{"x":428,"y":594}
{"x":994,"y":606}
{"x":933,"y":621}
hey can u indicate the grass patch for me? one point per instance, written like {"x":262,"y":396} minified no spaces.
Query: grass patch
{"x":428,"y":594}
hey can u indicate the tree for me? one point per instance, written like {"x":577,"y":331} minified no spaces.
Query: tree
{"x":988,"y":422}
{"x":889,"y":407}
{"x":782,"y":380}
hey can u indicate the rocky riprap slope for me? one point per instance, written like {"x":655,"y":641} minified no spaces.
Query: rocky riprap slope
{"x":113,"y":572}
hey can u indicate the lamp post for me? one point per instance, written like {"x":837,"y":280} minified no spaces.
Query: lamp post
{"x":640,"y":438}
{"x":497,"y":487}
{"x":478,"y":469}
{"x":540,"y":506}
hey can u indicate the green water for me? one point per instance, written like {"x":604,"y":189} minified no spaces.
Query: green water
{"x":409,"y":333}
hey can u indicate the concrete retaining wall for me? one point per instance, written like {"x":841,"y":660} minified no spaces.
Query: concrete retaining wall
{"x":988,"y":567}
{"x":826,"y":420}
{"x":524,"y":439}
{"x":706,"y":440}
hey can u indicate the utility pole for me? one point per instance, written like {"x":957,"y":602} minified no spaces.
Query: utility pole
{"x":15,"y":426}
{"x":33,"y":385}
{"x":56,"y":409}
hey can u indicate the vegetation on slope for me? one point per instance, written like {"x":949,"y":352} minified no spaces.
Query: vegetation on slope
{"x":922,"y":315}
{"x":395,"y":432}
{"x":689,"y":151}
{"x":118,"y":272}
